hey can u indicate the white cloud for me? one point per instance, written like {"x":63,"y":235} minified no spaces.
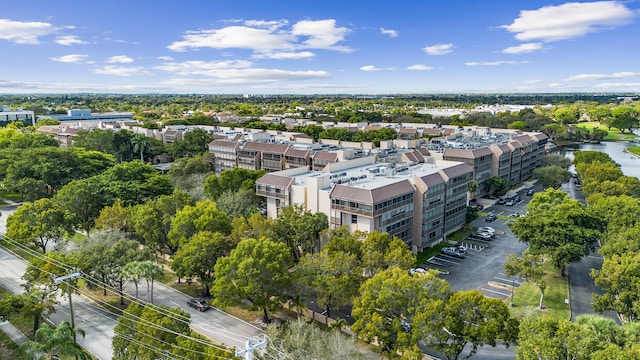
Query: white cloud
{"x":312,"y":86}
{"x":78,"y":87}
{"x":419,"y":67}
{"x":618,"y":85}
{"x":533,"y":81}
{"x":523,"y":48}
{"x":569,"y":20}
{"x":617,"y":75}
{"x":122,"y":71}
{"x":494,"y":63}
{"x":203,"y":68}
{"x":439,"y":49}
{"x":69,"y":40}
{"x":558,"y":86}
{"x":165,"y":58}
{"x":71,"y":58}
{"x":119,"y":59}
{"x":321,"y":34}
{"x":272,"y":24}
{"x":268,"y":37}
{"x":284,"y":55}
{"x":23,"y":32}
{"x":391,"y":33}
{"x":374,"y":68}
{"x":249,"y":76}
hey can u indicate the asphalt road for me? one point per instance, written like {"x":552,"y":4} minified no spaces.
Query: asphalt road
{"x":99,"y":324}
{"x":581,"y":285}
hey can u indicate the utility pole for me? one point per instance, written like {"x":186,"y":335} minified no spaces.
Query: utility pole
{"x":64,"y":279}
{"x":249,"y":347}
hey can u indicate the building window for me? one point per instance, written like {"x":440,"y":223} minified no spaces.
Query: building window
{"x":354,"y":218}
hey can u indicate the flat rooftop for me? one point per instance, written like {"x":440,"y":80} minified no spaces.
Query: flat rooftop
{"x":376,"y":174}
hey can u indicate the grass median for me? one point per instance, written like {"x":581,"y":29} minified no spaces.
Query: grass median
{"x":527,"y":297}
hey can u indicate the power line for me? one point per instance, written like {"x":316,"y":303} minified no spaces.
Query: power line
{"x":98,"y":283}
{"x":93,"y":298}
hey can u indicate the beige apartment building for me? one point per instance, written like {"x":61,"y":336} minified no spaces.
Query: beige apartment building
{"x":419,"y":203}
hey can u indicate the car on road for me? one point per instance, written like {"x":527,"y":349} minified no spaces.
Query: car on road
{"x":514,"y":214}
{"x":199,"y":304}
{"x":530,"y":192}
{"x":453,"y":251}
{"x":510,"y":202}
{"x":491,"y":217}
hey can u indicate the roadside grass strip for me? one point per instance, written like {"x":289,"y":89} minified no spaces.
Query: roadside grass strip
{"x":527,"y":297}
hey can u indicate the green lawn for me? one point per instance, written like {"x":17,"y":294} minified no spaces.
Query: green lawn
{"x":10,"y":196}
{"x":634,"y":150}
{"x":527,"y":297}
{"x":613,"y":134}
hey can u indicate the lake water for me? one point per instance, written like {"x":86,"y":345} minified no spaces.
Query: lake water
{"x":629,"y":163}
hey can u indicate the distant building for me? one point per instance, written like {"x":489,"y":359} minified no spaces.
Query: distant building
{"x":85,"y":115}
{"x":24,"y":116}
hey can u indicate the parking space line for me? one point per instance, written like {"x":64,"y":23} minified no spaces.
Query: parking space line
{"x":496,"y":292}
{"x":507,"y":280}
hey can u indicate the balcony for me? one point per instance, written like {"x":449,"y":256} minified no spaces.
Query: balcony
{"x":272,"y":194}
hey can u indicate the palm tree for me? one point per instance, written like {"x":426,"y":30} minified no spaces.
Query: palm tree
{"x":140,"y":144}
{"x":149,"y":271}
{"x":131,"y":271}
{"x":51,"y":342}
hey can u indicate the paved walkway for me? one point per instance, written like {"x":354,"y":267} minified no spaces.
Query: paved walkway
{"x":8,"y":202}
{"x":13,"y":333}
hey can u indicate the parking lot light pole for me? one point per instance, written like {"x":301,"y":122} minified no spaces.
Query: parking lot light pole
{"x":65,"y":279}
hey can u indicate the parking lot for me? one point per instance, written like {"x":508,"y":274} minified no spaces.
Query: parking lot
{"x":482,"y":267}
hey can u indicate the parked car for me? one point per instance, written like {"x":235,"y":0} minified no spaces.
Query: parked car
{"x":491,"y":217}
{"x":530,"y":192}
{"x":199,"y":304}
{"x":491,"y":235}
{"x":510,"y":202}
{"x":483,"y":236}
{"x":501,"y":201}
{"x":487,"y":229}
{"x":452,"y":251}
{"x":514,"y":214}
{"x":418,"y":270}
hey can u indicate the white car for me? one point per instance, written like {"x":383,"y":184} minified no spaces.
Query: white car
{"x":453,"y":251}
{"x":418,"y":270}
{"x":487,"y":229}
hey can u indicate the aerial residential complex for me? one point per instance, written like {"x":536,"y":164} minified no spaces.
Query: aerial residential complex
{"x":418,"y":195}
{"x":414,"y":187}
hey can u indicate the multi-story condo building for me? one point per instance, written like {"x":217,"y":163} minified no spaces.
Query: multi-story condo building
{"x":294,"y":158}
{"x":479,"y":159}
{"x":225,"y":154}
{"x":322,"y":158}
{"x":501,"y":164}
{"x":417,"y":202}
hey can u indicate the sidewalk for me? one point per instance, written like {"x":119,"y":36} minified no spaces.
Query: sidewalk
{"x":8,"y":202}
{"x":13,"y":333}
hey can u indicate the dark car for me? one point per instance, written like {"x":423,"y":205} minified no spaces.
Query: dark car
{"x":199,"y":304}
{"x":491,"y":217}
{"x":530,"y":192}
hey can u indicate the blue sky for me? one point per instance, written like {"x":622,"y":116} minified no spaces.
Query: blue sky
{"x":319,"y":47}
